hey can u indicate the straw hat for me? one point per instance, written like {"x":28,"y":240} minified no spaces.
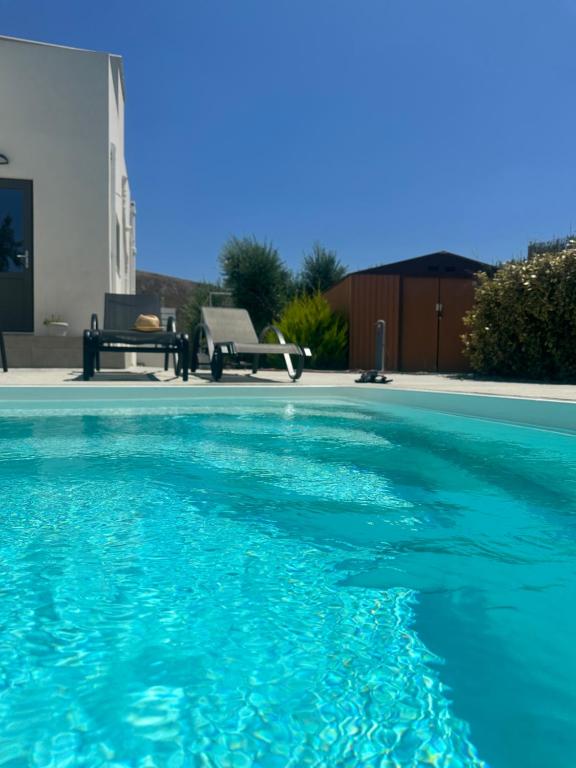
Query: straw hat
{"x":147,"y":323}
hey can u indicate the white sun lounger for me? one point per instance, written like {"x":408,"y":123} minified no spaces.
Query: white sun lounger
{"x":226,"y":332}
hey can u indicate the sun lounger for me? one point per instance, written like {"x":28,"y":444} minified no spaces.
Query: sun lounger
{"x":118,"y":334}
{"x":228,"y":333}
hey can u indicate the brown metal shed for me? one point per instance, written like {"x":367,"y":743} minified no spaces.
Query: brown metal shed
{"x":422,"y":300}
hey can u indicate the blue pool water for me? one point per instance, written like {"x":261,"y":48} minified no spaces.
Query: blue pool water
{"x":306,"y":583}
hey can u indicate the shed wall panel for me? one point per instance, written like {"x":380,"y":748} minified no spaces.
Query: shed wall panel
{"x":373,"y":297}
{"x":339,"y":296}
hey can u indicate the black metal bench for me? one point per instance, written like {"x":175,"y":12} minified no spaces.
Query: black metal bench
{"x":119,"y":335}
{"x":3,"y":353}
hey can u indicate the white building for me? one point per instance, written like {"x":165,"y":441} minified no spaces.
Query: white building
{"x":66,"y":217}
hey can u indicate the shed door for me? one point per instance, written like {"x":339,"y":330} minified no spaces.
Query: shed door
{"x":16,"y":297}
{"x":456,"y":298}
{"x":419,"y":324}
{"x":432,"y":327}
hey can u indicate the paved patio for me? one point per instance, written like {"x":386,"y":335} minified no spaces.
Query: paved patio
{"x":141,"y":377}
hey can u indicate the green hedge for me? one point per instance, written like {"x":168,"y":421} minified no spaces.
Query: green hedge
{"x":309,"y":321}
{"x":523,"y":323}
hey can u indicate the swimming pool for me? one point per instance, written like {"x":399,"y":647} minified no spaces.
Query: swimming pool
{"x":284,"y":580}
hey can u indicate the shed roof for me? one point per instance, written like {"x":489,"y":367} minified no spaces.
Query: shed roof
{"x":438,"y":263}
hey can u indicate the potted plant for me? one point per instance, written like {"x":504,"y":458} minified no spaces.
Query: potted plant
{"x":56,"y":326}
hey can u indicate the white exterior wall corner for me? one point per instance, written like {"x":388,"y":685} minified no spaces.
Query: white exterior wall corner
{"x":122,"y":248}
{"x":56,"y":128}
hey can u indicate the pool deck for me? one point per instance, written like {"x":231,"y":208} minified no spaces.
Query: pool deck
{"x":142,"y":377}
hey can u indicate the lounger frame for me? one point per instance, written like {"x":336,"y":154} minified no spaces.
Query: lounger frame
{"x":211,"y":350}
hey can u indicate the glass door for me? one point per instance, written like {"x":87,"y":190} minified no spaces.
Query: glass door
{"x":16,"y":256}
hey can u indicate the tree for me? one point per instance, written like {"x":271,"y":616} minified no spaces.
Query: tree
{"x":321,"y":269}
{"x":257,"y":278}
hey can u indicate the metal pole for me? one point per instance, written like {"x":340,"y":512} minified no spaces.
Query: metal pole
{"x":380,"y":345}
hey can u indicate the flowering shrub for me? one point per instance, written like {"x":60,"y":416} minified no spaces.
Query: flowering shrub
{"x":523,"y":323}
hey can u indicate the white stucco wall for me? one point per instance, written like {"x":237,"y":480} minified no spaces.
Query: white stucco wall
{"x":56,"y":128}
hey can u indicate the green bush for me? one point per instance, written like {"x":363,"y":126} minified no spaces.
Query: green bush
{"x":523,"y":323}
{"x":309,"y":321}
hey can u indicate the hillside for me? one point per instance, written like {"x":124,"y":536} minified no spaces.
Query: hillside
{"x":173,"y":291}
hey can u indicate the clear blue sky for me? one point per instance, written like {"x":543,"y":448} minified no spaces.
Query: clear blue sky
{"x":385,"y":129}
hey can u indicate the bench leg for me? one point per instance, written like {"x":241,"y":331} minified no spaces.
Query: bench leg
{"x":184,"y":357}
{"x":3,"y":353}
{"x":89,"y":356}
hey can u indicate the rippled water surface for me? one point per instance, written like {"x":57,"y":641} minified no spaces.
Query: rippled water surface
{"x":285,"y":584}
